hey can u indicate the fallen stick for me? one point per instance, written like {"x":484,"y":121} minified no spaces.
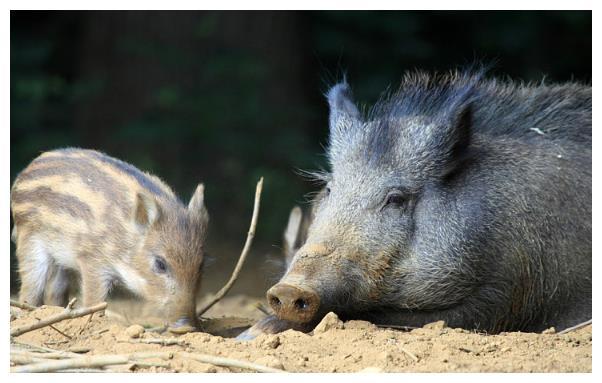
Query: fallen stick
{"x":26,"y":359}
{"x":576,"y":327}
{"x":97,"y":361}
{"x":67,"y":314}
{"x":89,"y":362}
{"x":57,"y":330}
{"x":22,"y":305}
{"x":227,"y":362}
{"x":40,"y":349}
{"x":243,"y":255}
{"x":43,"y":355}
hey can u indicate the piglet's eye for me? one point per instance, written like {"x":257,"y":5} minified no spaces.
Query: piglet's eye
{"x":160,"y":266}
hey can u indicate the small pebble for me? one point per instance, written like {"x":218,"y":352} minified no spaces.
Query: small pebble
{"x":330,"y":321}
{"x":134,"y":331}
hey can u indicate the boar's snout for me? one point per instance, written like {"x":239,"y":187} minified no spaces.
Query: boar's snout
{"x":293,"y":303}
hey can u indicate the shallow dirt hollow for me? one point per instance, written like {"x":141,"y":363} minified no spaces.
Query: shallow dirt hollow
{"x":333,"y":347}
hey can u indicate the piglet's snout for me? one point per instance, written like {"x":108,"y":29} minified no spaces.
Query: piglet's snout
{"x":293,"y":303}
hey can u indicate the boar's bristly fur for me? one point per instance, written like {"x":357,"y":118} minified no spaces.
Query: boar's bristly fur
{"x":456,"y":197}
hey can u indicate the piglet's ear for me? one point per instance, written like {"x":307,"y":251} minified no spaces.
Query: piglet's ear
{"x":196,"y":206}
{"x":147,"y":211}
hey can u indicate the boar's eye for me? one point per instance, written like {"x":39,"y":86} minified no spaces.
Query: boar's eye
{"x":160,"y":266}
{"x":395,"y":199}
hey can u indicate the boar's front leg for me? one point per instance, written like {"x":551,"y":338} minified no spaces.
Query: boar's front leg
{"x":272,"y":325}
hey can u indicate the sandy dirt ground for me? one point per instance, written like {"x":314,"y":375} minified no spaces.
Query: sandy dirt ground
{"x":334,"y":346}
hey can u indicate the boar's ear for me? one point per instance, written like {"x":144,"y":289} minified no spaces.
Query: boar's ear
{"x":196,"y":206}
{"x":458,"y":140}
{"x":146,"y":211}
{"x":342,"y":108}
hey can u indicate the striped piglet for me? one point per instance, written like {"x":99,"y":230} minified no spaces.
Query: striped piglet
{"x":82,"y":211}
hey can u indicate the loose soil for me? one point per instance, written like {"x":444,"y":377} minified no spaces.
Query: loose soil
{"x":334,"y":346}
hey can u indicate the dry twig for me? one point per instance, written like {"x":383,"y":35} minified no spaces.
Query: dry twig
{"x":227,"y":362}
{"x":90,"y":362}
{"x":243,"y":255}
{"x":16,"y":346}
{"x":71,"y":303}
{"x":57,"y":330}
{"x":97,"y":361}
{"x":576,"y":327}
{"x":16,"y":358}
{"x":67,"y":314}
{"x":22,"y":305}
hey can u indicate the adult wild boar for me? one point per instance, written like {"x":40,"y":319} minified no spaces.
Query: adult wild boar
{"x":455,"y":198}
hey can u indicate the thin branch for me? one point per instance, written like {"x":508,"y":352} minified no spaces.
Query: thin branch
{"x":71,"y":303}
{"x":57,"y":330}
{"x":243,"y":255}
{"x":41,"y":352}
{"x":26,"y":359}
{"x":22,"y":305}
{"x":90,"y":362}
{"x":67,"y":314}
{"x":576,"y":327}
{"x":109,"y":360}
{"x":227,"y":362}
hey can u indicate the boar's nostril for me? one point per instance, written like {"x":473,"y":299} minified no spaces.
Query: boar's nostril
{"x":293,"y":303}
{"x":301,"y":304}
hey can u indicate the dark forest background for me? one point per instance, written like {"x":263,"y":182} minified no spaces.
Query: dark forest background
{"x":227,"y":97}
